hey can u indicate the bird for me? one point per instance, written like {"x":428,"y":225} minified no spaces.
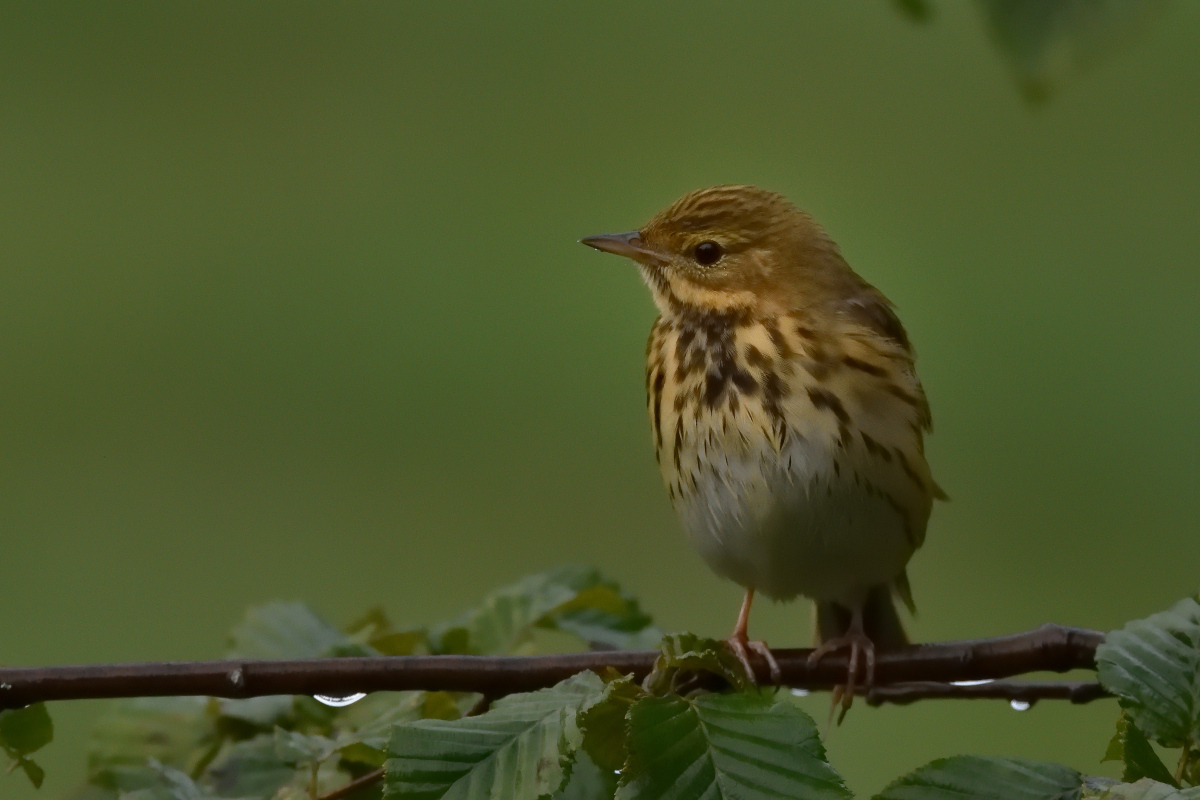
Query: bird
{"x":787,"y":417}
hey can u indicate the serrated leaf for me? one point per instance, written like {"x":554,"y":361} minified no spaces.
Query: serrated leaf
{"x":249,"y":769}
{"x":172,"y":785}
{"x":1147,"y":789}
{"x":604,"y":724}
{"x":1130,"y":746}
{"x":689,"y":653}
{"x":1046,"y":39}
{"x":572,"y":599}
{"x":280,"y":630}
{"x":26,"y":730}
{"x":364,"y":729}
{"x":519,"y":749}
{"x":168,"y":729}
{"x":743,"y":746}
{"x":587,"y":781}
{"x":986,"y":778}
{"x":604,"y":615}
{"x":292,"y":747}
{"x":1153,"y":666}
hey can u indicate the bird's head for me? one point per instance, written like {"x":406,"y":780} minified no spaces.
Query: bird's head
{"x":730,"y":248}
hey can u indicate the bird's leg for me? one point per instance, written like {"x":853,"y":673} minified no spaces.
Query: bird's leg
{"x":742,"y":646}
{"x":859,"y":643}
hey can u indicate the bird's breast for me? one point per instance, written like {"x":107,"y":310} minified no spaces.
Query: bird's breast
{"x":764,"y":452}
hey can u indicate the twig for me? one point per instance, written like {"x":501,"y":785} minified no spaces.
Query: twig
{"x":376,"y":775}
{"x":1029,"y":692}
{"x":1051,"y":648}
{"x":361,"y":782}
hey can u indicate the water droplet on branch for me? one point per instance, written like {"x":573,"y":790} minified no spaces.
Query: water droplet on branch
{"x":339,"y":701}
{"x":1020,"y":705}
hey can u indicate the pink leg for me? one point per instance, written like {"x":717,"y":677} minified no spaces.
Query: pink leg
{"x":859,"y":643}
{"x":742,"y":646}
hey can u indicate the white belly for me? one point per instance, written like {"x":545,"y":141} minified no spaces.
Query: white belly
{"x":790,"y":524}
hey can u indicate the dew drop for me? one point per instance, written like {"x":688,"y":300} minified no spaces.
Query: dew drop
{"x":1020,"y":705}
{"x":339,"y":701}
{"x":800,"y":692}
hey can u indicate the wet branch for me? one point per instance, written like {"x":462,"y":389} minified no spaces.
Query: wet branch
{"x":923,"y":671}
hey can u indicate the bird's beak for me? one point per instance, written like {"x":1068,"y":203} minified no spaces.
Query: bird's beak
{"x":628,"y":244}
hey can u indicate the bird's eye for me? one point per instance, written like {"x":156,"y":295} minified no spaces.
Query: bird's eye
{"x":707,"y":253}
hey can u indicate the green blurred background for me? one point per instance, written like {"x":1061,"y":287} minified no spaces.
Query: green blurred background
{"x":293,"y":307}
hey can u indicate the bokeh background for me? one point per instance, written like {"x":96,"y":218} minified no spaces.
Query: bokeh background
{"x":292,"y":306}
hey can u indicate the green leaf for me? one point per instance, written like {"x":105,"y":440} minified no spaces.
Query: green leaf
{"x":172,"y":785}
{"x":743,"y":746}
{"x":1129,"y":745}
{"x":572,"y":599}
{"x":915,"y":10}
{"x":249,"y":769}
{"x":986,"y":778}
{"x":171,"y":730}
{"x":686,"y":653}
{"x":1147,"y":789}
{"x":279,"y":630}
{"x":604,"y":725}
{"x":364,"y":729}
{"x":1153,"y":666}
{"x":375,"y":629}
{"x":587,"y":781}
{"x":302,"y":749}
{"x":32,"y":771}
{"x":519,"y":749}
{"x":26,"y":730}
{"x":604,"y":615}
{"x":1046,"y":39}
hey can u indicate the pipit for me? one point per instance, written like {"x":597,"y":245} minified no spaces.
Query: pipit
{"x":787,"y":416}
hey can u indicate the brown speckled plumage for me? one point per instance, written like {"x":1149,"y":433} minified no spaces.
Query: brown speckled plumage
{"x":787,"y":416}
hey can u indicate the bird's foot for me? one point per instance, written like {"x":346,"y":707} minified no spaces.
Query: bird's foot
{"x":860,"y":645}
{"x":742,"y":647}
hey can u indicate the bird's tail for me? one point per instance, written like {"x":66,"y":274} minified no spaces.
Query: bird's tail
{"x":881,"y":621}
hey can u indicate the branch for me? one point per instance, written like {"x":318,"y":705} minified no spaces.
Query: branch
{"x":1027,"y":692}
{"x":1050,"y":648}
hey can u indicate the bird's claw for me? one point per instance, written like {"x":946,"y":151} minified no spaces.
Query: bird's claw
{"x":859,"y":643}
{"x":743,"y":647}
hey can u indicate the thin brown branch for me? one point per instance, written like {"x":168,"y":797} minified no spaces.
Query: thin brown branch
{"x":370,"y":779}
{"x":1016,"y":692}
{"x":1050,"y":648}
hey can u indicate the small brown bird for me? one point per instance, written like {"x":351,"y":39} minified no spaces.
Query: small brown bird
{"x":787,"y":415}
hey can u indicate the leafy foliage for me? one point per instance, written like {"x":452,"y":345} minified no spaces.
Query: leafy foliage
{"x":986,"y":779}
{"x":575,"y":600}
{"x":725,"y":746}
{"x":24,"y":731}
{"x":1153,"y":665}
{"x":1045,"y":39}
{"x":695,"y":727}
{"x":522,"y":747}
{"x":1130,"y":746}
{"x":685,"y":654}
